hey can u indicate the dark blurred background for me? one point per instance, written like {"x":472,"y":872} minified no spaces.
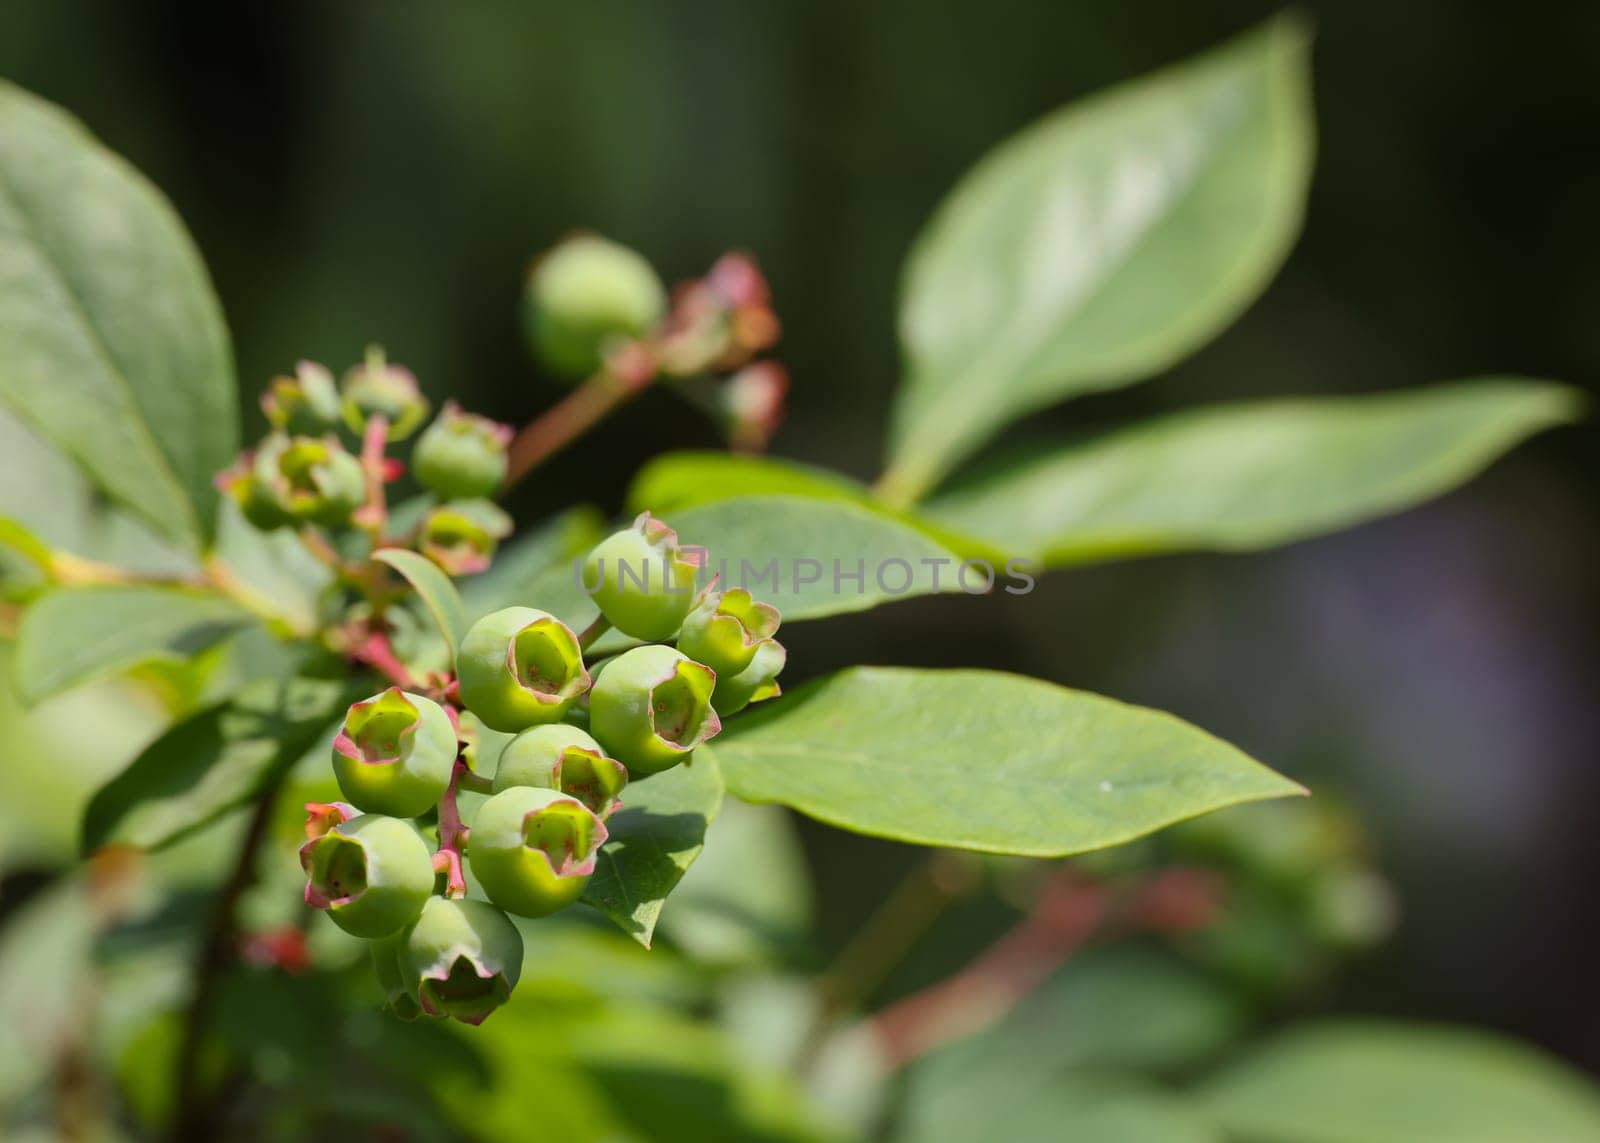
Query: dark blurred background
{"x":384,"y":170}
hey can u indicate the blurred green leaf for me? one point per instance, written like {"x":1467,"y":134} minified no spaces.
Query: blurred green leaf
{"x":1250,"y":476}
{"x":774,"y":545}
{"x":748,"y":898}
{"x":45,"y":954}
{"x":43,"y":491}
{"x":438,"y":594}
{"x":677,"y":480}
{"x":982,"y":760}
{"x":1374,"y":1082}
{"x":73,"y":635}
{"x":215,"y":761}
{"x":1102,"y":245}
{"x":654,"y":839}
{"x":112,"y":344}
{"x":1093,"y":1108}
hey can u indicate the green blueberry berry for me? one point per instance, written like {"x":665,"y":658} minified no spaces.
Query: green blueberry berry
{"x":755,"y":683}
{"x":395,"y":753}
{"x":651,"y":707}
{"x":462,"y":959}
{"x":306,"y":404}
{"x":372,"y":874}
{"x":725,"y":629}
{"x":585,"y":296}
{"x":641,"y":580}
{"x":253,"y":496}
{"x":311,"y":480}
{"x":533,"y":850}
{"x":562,"y":757}
{"x":520,"y":667}
{"x":376,"y":388}
{"x":388,"y":965}
{"x":461,"y":456}
{"x":461,"y":536}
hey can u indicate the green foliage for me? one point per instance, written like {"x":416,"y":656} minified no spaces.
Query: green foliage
{"x":654,"y":840}
{"x":1374,"y":1082}
{"x":71,"y":636}
{"x":1250,"y":476}
{"x":1102,"y":245}
{"x":435,"y":590}
{"x":214,"y":762}
{"x":983,"y":760}
{"x":115,"y":348}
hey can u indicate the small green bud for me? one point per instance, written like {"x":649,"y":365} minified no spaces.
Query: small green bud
{"x":461,"y":456}
{"x":725,"y":629}
{"x":641,"y":580}
{"x":586,"y":296}
{"x":462,"y":959}
{"x":395,"y":754}
{"x":534,"y":850}
{"x":520,"y":667}
{"x":755,"y":683}
{"x":376,"y":388}
{"x":372,"y":874}
{"x":388,"y":965}
{"x":312,"y":480}
{"x":562,"y":757}
{"x":651,"y":707}
{"x":461,"y":536}
{"x":306,"y":404}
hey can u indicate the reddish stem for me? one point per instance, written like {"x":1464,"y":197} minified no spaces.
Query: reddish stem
{"x":378,"y":653}
{"x":373,"y":516}
{"x":626,"y":375}
{"x":452,"y":833}
{"x":1068,"y":913}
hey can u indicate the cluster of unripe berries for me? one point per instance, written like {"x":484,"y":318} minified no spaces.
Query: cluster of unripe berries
{"x":581,"y":731}
{"x":303,"y":474}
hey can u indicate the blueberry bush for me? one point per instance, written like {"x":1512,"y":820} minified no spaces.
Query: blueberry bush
{"x":350,"y":803}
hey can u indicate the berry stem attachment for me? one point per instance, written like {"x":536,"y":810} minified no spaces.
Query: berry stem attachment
{"x":452,"y":834}
{"x":373,"y":516}
{"x":591,"y":634}
{"x":626,"y":375}
{"x":378,"y":653}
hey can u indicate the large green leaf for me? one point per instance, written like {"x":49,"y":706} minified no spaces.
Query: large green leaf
{"x":112,"y":344}
{"x":802,"y":554}
{"x":1102,"y":245}
{"x":214,"y":762}
{"x":654,"y":839}
{"x":1374,"y":1082}
{"x":748,"y":899}
{"x":435,"y":590}
{"x":1239,"y":477}
{"x":982,"y":760}
{"x":76,"y":634}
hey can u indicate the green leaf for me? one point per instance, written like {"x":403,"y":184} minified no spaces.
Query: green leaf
{"x":1089,"y":1107}
{"x":774,"y":545}
{"x":678,"y":480}
{"x":112,"y":344}
{"x":535,"y":569}
{"x":1247,"y":476}
{"x":748,"y":899}
{"x":72,"y":635}
{"x":46,"y":961}
{"x":982,"y":760}
{"x":216,"y":761}
{"x":654,"y":839}
{"x":1357,"y":1081}
{"x":438,"y":594}
{"x":1102,"y":245}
